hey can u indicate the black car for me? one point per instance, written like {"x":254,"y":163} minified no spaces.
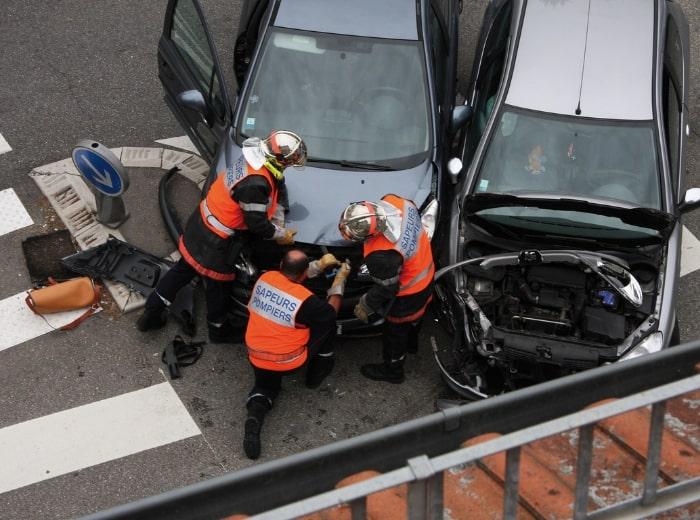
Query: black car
{"x":369,"y":86}
{"x":565,"y":238}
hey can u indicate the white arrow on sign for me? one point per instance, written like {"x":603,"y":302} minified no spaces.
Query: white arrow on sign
{"x":102,"y":176}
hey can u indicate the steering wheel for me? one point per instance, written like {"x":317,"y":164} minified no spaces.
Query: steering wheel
{"x":616,"y":184}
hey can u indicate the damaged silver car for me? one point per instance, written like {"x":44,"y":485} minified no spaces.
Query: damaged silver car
{"x":564,"y":242}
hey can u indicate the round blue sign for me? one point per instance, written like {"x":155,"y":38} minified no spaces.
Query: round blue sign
{"x":101,"y":168}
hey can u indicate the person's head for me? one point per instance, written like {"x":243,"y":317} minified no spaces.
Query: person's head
{"x":294,"y":265}
{"x":282,"y":149}
{"x":361,"y":220}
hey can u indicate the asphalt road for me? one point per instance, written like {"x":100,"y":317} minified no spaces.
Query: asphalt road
{"x":72,"y":69}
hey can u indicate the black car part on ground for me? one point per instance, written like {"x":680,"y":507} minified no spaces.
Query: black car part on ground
{"x":525,"y":317}
{"x":139,"y":270}
{"x":308,"y":473}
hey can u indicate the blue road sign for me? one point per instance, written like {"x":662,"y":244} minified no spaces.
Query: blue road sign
{"x":100,"y":167}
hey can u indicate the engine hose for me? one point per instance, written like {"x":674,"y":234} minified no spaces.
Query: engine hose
{"x":172,"y":224}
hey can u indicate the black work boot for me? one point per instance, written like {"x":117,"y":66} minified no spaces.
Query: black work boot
{"x":225,"y":332}
{"x":388,"y":371}
{"x":257,"y":406}
{"x":151,"y":319}
{"x":320,"y":366}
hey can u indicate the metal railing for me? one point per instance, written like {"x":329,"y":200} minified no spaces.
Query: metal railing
{"x":417,"y":452}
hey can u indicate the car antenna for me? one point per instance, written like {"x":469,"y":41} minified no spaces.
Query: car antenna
{"x":583,"y":65}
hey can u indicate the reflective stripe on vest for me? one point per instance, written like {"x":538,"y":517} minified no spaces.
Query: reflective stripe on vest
{"x":413,"y":244}
{"x":220,"y":212}
{"x":277,"y":358}
{"x":275,"y":341}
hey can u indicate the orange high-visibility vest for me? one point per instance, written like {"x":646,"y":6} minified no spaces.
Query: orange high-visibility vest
{"x":413,"y":244}
{"x":274,"y":340}
{"x":223,"y":215}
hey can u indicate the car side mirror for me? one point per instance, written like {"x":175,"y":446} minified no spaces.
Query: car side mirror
{"x":691,"y":200}
{"x":194,"y":100}
{"x":460,"y":116}
{"x":454,"y":168}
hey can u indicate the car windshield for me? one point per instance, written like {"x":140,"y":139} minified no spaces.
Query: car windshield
{"x":352,"y":99}
{"x":611,"y":163}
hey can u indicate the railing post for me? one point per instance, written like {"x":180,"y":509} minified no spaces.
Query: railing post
{"x":424,"y":493}
{"x":358,"y":509}
{"x":583,"y":470}
{"x":656,"y":430}
{"x":511,"y":485}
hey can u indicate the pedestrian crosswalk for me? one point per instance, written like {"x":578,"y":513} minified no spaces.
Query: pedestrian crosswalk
{"x":13,"y":215}
{"x":4,"y":145}
{"x":91,"y":434}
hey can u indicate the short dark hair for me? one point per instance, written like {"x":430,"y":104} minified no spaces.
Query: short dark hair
{"x":294,"y":263}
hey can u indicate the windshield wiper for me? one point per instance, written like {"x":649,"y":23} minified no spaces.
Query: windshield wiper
{"x":360,"y":165}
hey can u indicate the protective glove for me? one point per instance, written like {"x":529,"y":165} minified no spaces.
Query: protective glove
{"x":318,"y":266}
{"x":278,"y":217}
{"x":287,"y":236}
{"x":338,"y":285}
{"x":363,"y":311}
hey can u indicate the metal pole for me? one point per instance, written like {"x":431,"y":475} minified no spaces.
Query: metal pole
{"x":510,"y":497}
{"x":358,"y":508}
{"x":583,"y":470}
{"x":656,"y":430}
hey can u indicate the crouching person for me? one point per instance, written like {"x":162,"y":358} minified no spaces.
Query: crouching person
{"x":289,"y":327}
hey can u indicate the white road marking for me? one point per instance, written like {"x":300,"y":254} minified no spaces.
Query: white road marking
{"x":19,"y":324}
{"x":182,"y":142}
{"x":4,"y":145}
{"x":690,"y":252}
{"x":91,"y":434}
{"x":13,"y":216}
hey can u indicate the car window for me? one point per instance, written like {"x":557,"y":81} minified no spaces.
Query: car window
{"x":673,"y":74}
{"x":672,"y":124}
{"x":561,"y":155}
{"x":490,"y":72}
{"x":190,"y":39}
{"x":351,"y":98}
{"x":439,"y":52}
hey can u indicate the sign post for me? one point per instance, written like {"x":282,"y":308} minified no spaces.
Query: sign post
{"x":107,"y":178}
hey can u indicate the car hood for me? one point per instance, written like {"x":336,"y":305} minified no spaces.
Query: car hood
{"x":636,"y":216}
{"x":317,"y":196}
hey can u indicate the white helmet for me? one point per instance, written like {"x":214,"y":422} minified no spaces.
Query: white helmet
{"x":281,"y":149}
{"x":361,"y":220}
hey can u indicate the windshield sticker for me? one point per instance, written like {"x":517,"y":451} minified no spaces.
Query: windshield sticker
{"x":483,"y":185}
{"x":250,"y":122}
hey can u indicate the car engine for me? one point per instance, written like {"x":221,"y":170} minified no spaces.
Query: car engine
{"x":529,"y":320}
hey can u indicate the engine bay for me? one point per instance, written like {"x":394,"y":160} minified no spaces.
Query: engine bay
{"x":530,"y":316}
{"x":560,"y":300}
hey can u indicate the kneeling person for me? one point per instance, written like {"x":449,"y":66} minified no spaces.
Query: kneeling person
{"x":289,"y":327}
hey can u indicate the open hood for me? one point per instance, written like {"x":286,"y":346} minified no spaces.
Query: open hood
{"x":318,"y":196}
{"x":635,"y":216}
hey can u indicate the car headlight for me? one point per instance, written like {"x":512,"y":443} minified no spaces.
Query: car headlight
{"x":652,"y":343}
{"x":429,"y":217}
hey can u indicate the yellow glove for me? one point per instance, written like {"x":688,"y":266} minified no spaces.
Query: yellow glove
{"x":338,"y":285}
{"x":288,"y":238}
{"x":362,"y":311}
{"x":318,"y":266}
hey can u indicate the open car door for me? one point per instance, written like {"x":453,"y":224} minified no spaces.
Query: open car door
{"x":191,"y":75}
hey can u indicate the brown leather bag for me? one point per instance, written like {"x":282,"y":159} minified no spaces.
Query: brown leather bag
{"x":66,"y":296}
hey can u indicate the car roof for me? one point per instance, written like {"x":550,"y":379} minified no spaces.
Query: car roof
{"x":395,"y":19}
{"x":604,"y":53}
